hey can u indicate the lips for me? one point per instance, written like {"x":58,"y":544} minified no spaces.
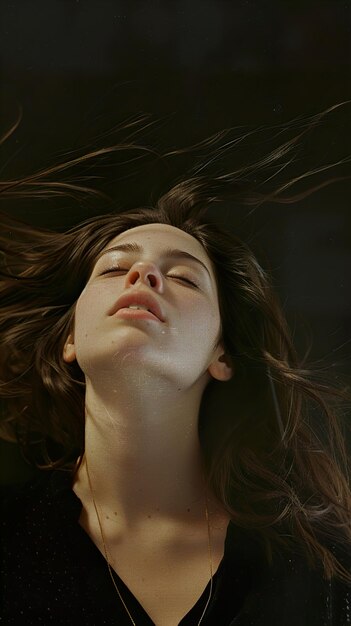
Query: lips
{"x":139,"y":297}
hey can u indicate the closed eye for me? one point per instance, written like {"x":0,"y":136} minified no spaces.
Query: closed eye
{"x":113,"y":269}
{"x":120,"y":269}
{"x":186,"y":280}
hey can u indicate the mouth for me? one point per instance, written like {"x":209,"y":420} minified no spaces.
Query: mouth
{"x":139,"y":304}
{"x":137,"y":307}
{"x":136,"y":313}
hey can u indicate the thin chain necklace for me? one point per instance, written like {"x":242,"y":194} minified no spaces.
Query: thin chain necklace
{"x":109,"y":565}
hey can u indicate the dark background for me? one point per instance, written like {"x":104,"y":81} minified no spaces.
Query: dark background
{"x":78,"y":68}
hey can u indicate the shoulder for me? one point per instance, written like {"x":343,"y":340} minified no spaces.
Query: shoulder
{"x":287,"y":589}
{"x":20,"y":501}
{"x":12,"y":494}
{"x":47,"y":491}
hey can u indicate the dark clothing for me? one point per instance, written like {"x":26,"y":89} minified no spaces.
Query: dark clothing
{"x":52,"y":573}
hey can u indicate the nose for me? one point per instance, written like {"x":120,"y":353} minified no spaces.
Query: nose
{"x":145,"y":272}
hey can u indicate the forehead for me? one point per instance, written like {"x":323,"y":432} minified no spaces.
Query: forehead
{"x":158,"y":236}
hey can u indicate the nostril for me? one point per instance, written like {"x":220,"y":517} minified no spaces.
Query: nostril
{"x":152,"y":280}
{"x":148,"y":279}
{"x":145,"y":273}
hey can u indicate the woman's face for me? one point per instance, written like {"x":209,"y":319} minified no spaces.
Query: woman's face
{"x":172,"y":268}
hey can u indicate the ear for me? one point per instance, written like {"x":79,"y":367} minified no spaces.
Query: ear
{"x":222,"y":367}
{"x":69,"y":351}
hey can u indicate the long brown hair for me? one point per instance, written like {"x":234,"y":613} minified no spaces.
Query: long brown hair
{"x":278,"y":470}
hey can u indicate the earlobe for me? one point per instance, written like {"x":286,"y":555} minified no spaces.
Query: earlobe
{"x":69,"y":351}
{"x":222,"y":368}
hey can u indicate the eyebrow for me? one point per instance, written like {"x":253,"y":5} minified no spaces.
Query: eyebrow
{"x":167,"y":253}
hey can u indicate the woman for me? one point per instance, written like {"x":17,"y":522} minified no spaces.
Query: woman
{"x":147,"y":352}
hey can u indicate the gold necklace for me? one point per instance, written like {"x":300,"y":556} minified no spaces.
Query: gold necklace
{"x":108,"y":562}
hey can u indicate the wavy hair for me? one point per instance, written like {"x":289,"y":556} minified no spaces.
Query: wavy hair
{"x":272,"y":439}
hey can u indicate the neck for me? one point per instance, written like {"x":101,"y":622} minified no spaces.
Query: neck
{"x":144,"y":456}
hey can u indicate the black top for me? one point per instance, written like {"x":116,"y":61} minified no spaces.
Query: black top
{"x":52,"y":573}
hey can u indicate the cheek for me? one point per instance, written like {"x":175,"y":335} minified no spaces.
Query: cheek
{"x":204,"y":324}
{"x":85,"y":315}
{"x":92,"y":302}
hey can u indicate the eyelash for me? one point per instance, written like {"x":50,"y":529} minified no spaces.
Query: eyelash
{"x":186,"y":280}
{"x":120,"y":269}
